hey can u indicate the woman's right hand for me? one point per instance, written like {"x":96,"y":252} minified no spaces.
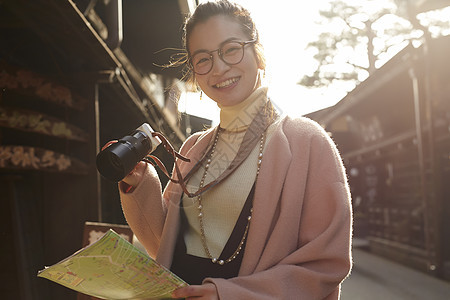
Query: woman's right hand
{"x":136,"y":175}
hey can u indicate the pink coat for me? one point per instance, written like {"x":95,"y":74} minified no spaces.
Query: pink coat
{"x":299,"y":241}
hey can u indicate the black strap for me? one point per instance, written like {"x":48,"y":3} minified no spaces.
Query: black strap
{"x":194,"y":269}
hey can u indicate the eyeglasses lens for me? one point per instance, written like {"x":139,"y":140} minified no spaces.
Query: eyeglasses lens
{"x":231,"y":53}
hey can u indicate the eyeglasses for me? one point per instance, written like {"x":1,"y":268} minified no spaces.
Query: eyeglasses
{"x":230,"y":53}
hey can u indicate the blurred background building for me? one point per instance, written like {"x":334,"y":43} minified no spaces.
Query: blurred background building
{"x":74,"y":75}
{"x":393,"y":131}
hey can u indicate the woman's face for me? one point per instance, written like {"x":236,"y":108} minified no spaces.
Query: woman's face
{"x":226,"y":84}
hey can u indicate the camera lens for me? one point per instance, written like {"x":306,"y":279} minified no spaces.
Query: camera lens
{"x":111,"y":162}
{"x":118,"y":160}
{"x":115,"y":162}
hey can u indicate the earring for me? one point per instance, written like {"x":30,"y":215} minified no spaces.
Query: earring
{"x":201,"y":95}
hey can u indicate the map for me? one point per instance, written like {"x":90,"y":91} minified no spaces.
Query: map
{"x":112,"y":268}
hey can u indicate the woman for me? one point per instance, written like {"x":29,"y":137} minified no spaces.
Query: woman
{"x":265,"y":213}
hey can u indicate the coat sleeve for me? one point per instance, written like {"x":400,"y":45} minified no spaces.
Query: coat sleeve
{"x":144,"y":208}
{"x":310,"y":247}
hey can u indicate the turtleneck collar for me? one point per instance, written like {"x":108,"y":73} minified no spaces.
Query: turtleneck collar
{"x":239,"y":116}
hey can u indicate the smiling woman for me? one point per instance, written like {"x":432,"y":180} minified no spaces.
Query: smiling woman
{"x":227,"y":83}
{"x":263,"y":210}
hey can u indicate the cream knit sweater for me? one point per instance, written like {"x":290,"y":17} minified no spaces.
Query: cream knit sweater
{"x":223,"y":203}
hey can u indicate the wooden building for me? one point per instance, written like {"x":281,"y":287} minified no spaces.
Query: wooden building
{"x":393,"y":131}
{"x":74,"y":74}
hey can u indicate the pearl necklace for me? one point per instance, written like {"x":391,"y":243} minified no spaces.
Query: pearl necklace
{"x":200,"y":206}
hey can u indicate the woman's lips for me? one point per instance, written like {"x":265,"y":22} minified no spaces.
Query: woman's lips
{"x":226,"y":83}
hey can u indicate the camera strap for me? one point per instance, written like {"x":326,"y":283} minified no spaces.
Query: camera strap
{"x":171,"y":150}
{"x":257,"y":128}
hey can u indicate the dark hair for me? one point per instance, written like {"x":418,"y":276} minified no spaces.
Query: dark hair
{"x":226,"y":8}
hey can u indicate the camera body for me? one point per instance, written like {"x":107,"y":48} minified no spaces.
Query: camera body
{"x":118,"y":159}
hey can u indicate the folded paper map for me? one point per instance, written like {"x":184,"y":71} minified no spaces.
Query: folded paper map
{"x":112,"y":268}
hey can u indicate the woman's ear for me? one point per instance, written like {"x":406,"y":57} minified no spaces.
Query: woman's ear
{"x":261,"y":66}
{"x":260,"y":59}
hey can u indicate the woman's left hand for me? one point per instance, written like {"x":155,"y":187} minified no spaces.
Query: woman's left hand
{"x":205,"y":291}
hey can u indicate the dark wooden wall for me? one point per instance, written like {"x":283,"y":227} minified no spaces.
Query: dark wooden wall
{"x":63,"y":94}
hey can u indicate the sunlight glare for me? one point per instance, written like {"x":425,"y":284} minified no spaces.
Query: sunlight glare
{"x":286,"y":27}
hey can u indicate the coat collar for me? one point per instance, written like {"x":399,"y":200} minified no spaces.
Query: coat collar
{"x":266,"y":202}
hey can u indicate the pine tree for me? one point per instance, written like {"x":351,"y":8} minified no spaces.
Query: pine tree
{"x":364,"y":34}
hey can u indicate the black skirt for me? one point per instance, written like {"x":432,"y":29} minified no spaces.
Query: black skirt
{"x":194,"y":269}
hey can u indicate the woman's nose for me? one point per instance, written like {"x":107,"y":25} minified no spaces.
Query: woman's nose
{"x":219,"y":66}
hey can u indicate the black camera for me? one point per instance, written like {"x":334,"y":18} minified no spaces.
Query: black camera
{"x":118,"y":159}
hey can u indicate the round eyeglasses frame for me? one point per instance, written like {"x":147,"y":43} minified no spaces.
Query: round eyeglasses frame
{"x":220,"y":53}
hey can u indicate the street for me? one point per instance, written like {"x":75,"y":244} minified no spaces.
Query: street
{"x":374,"y":277}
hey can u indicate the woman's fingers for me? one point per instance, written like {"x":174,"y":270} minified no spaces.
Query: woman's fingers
{"x":205,"y":291}
{"x":135,"y":176}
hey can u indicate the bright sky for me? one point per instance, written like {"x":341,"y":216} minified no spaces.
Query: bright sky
{"x":285,"y":27}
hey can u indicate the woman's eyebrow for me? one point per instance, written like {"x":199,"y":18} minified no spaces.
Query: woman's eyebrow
{"x":220,"y":45}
